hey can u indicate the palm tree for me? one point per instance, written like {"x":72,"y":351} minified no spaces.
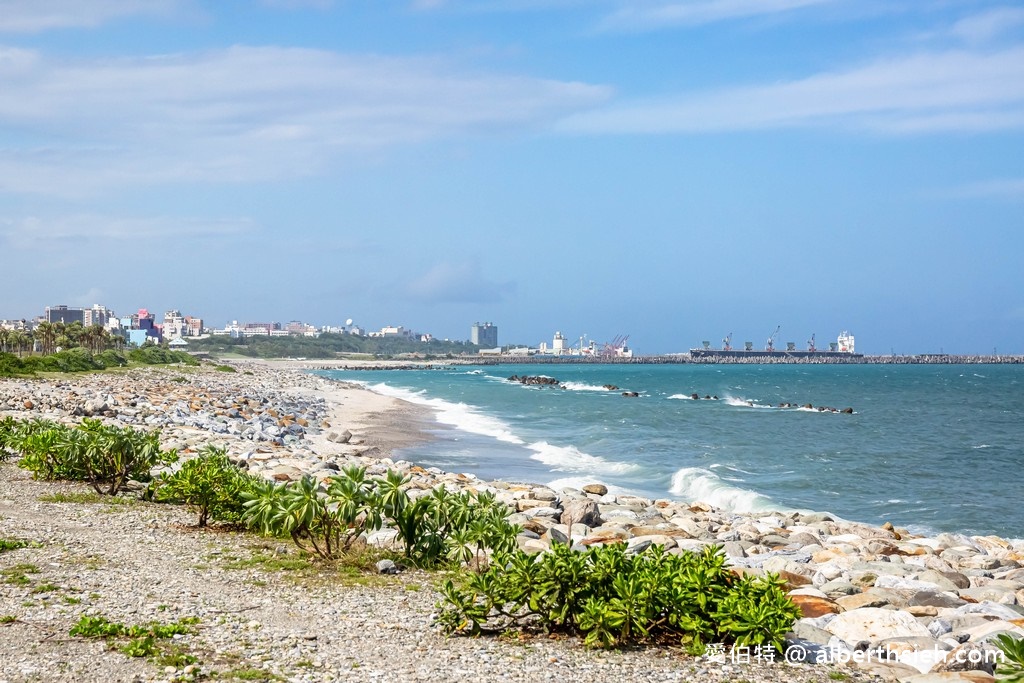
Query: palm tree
{"x":5,"y":338}
{"x":46,"y":335}
{"x":20,"y":339}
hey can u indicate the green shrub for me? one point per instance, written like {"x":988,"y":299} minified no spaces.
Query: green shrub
{"x":434,"y":529}
{"x":613,"y":598}
{"x":105,"y":456}
{"x":224,"y":368}
{"x":151,"y":354}
{"x":211,"y":483}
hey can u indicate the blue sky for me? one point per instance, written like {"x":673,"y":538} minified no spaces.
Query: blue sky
{"x":674,"y":170}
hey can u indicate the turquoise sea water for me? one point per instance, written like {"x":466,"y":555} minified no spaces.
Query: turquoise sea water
{"x":929,"y":447}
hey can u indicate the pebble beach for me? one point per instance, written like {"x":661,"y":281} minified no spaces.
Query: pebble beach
{"x":878,"y":602}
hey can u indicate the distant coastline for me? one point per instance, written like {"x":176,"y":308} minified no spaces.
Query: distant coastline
{"x":668,"y":359}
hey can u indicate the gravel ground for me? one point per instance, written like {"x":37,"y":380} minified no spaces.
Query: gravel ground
{"x":136,"y":562}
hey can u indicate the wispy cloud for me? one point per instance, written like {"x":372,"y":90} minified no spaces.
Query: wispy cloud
{"x":985,"y":26}
{"x":243,"y":113}
{"x":651,"y":15}
{"x":75,"y":230}
{"x":1004,"y":188}
{"x":923,"y":93}
{"x":458,"y":283}
{"x":33,"y":16}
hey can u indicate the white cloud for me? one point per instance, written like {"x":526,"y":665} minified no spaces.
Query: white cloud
{"x":930,"y":92}
{"x":243,"y":113}
{"x":32,"y":16}
{"x":458,"y":283}
{"x":650,"y":15}
{"x":985,"y":26}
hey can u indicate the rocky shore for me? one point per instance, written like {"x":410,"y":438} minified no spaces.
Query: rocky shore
{"x":878,"y":602}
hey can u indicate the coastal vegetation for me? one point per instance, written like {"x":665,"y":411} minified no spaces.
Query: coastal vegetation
{"x":86,"y":360}
{"x":104,"y":456}
{"x":612,"y":597}
{"x":329,"y":345}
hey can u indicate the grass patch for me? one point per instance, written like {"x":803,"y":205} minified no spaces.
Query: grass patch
{"x":16,"y":575}
{"x":86,"y":497}
{"x":248,"y":674}
{"x":12,"y":544}
{"x":837,"y":676}
{"x":224,"y":368}
{"x":8,"y":619}
{"x":45,"y":588}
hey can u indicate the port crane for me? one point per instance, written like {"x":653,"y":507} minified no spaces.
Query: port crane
{"x":770,"y":345}
{"x":810,"y":344}
{"x":727,"y":343}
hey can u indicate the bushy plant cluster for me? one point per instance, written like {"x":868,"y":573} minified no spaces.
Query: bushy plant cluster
{"x":612,"y":597}
{"x":105,"y":456}
{"x":210,"y":483}
{"x":433,"y":529}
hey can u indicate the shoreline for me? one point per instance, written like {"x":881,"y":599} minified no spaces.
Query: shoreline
{"x":853,"y":582}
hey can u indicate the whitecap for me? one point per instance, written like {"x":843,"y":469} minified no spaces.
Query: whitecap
{"x":572,"y":459}
{"x":697,"y":484}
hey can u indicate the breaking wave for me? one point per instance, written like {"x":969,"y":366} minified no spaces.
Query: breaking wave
{"x":696,"y":484}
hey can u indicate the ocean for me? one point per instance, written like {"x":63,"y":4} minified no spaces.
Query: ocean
{"x":927,"y":447}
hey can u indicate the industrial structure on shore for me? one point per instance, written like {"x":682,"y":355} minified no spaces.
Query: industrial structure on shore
{"x":843,"y":347}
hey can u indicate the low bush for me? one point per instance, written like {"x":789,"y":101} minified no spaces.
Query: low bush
{"x":210,"y":483}
{"x":105,"y":456}
{"x":611,"y":597}
{"x":434,"y":529}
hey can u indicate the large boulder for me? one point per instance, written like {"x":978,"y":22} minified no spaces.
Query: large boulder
{"x":874,"y":624}
{"x":581,"y":511}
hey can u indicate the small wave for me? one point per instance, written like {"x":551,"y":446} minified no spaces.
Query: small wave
{"x":682,"y":397}
{"x":580,"y":386}
{"x":459,"y":415}
{"x":983,"y":445}
{"x":743,"y":403}
{"x":572,"y":459}
{"x":696,"y":484}
{"x":474,"y":372}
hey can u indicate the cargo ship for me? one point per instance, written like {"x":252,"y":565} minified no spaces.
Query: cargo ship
{"x":842,"y":349}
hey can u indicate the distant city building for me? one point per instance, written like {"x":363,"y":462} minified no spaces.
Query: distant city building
{"x":97,"y":315}
{"x":63,"y":314}
{"x":484,"y":334}
{"x":392,"y":331}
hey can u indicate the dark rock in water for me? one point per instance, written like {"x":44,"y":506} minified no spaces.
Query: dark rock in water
{"x":630,"y":394}
{"x":535,"y":380}
{"x":707,"y":397}
{"x":808,"y":406}
{"x":848,"y":411}
{"x":695,"y":397}
{"x":611,"y":387}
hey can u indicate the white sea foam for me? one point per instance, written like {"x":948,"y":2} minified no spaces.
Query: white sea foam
{"x":743,"y":403}
{"x":572,"y":459}
{"x":697,"y":484}
{"x":458,"y":415}
{"x":983,"y":445}
{"x":682,"y":397}
{"x":580,"y":386}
